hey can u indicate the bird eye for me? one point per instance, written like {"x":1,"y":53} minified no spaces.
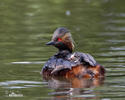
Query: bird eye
{"x":59,"y":39}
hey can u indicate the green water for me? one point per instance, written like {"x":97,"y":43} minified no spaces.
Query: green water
{"x":98,"y":28}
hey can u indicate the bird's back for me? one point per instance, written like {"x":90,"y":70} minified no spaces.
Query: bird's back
{"x":72,"y":65}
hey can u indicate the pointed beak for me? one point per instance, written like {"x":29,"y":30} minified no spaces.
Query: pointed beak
{"x":50,"y":43}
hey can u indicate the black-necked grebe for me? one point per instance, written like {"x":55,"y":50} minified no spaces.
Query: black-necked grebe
{"x":68,"y":64}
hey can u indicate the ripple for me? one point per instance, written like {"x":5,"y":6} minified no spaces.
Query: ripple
{"x":85,"y":96}
{"x":110,"y":54}
{"x":117,"y":48}
{"x":113,"y":28}
{"x":120,"y":14}
{"x":15,"y":87}
{"x":115,"y":14}
{"x":118,"y":86}
{"x":28,"y":62}
{"x":116,"y":41}
{"x":19,"y":82}
{"x":115,"y":21}
{"x":111,"y":33}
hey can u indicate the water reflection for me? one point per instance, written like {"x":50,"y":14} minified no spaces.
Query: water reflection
{"x":73,"y":83}
{"x":76,"y":88}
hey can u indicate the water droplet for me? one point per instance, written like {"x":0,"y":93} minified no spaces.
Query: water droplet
{"x":68,"y":13}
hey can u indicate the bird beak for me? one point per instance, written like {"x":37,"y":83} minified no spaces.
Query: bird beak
{"x":50,"y":43}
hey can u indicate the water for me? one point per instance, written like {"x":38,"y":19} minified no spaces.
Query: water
{"x":98,"y":28}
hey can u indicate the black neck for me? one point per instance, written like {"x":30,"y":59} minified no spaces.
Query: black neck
{"x":63,"y":54}
{"x":63,"y":47}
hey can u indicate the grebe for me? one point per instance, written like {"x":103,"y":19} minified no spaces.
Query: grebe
{"x":68,"y":64}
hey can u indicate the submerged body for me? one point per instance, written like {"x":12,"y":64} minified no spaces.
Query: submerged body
{"x":68,"y":64}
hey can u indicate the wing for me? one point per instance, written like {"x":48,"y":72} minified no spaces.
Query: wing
{"x":87,"y":58}
{"x":83,"y":58}
{"x":57,"y":64}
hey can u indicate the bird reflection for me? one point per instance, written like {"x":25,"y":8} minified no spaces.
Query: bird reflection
{"x":74,"y":88}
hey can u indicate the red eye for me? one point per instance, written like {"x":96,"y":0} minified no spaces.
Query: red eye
{"x":59,"y":39}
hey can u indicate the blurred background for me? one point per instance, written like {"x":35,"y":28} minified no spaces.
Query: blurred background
{"x":98,"y":28}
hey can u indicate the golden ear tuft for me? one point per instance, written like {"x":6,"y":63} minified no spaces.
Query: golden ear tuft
{"x":67,"y":39}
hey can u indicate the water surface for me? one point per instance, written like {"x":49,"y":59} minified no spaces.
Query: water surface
{"x":98,"y":28}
